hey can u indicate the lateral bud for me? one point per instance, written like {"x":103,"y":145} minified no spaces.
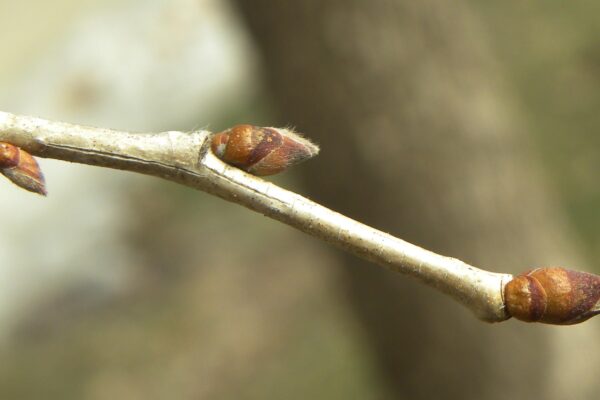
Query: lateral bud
{"x":21,"y":169}
{"x":262,"y":151}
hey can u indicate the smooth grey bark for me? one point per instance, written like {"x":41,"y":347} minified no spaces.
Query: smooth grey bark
{"x":185,"y":157}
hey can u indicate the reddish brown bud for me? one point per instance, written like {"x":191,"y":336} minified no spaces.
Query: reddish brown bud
{"x":262,"y":151}
{"x":9,"y":155}
{"x":553,"y":296}
{"x":21,"y":168}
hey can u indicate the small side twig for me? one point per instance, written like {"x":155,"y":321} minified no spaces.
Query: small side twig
{"x":186,"y":158}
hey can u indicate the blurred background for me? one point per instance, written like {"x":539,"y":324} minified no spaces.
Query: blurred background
{"x":466,"y":127}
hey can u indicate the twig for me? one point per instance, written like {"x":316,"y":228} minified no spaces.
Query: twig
{"x":186,"y":158}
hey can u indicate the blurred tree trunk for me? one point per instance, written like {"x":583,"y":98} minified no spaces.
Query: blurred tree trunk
{"x":418,"y":139}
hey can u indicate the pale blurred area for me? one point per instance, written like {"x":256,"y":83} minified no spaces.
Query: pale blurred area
{"x":145,"y":65}
{"x":121,"y":286}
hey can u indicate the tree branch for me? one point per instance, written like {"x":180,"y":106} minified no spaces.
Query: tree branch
{"x":186,"y":158}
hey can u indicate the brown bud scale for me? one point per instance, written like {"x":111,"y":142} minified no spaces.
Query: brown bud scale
{"x":553,"y":296}
{"x":261,"y":151}
{"x":21,"y":168}
{"x":9,"y":155}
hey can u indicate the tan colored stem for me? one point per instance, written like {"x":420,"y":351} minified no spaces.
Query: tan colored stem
{"x":185,"y":158}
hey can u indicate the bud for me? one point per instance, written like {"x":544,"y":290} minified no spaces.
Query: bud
{"x":553,"y":296}
{"x":21,"y":168}
{"x":262,"y":151}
